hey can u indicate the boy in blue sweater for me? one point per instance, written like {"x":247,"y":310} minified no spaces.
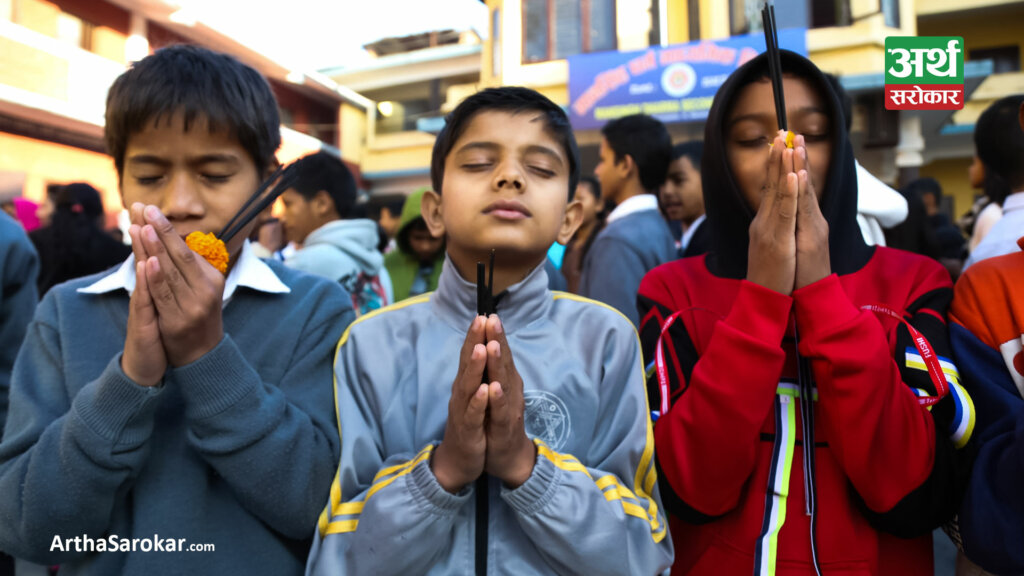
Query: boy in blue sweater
{"x":163,"y":406}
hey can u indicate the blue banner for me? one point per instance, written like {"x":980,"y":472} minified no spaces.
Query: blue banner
{"x":672,"y":83}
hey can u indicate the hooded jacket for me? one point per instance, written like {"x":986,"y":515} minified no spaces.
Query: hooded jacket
{"x":591,"y":505}
{"x":402,"y":264}
{"x":772,"y":461}
{"x":345,"y":251}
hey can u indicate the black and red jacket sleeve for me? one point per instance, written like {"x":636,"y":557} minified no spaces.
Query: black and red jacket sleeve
{"x":721,"y":394}
{"x":901,"y":458}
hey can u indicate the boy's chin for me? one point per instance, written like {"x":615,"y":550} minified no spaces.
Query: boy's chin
{"x":520,"y":249}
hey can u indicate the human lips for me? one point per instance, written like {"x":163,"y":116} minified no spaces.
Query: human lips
{"x":508,"y":210}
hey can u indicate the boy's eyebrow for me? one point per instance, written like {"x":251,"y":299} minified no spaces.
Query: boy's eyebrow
{"x":494,"y":147}
{"x":198,"y":160}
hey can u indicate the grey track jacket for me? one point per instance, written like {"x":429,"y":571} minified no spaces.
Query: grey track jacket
{"x":591,"y":505}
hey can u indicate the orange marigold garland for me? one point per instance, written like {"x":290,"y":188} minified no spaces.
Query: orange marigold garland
{"x":209,"y":247}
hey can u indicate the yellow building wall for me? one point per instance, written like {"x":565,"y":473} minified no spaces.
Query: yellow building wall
{"x":352,"y":127}
{"x":37,"y":15}
{"x":952,"y":173}
{"x":48,"y":163}
{"x":109,"y":43}
{"x":33,"y":70}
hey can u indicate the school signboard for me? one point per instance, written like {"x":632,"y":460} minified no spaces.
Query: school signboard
{"x":672,"y":83}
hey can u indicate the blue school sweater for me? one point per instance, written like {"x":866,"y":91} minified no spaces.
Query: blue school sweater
{"x":19,"y":267}
{"x":236,"y":449}
{"x":621,"y":255}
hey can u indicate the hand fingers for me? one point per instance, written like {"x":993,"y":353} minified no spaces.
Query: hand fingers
{"x":476,"y":411}
{"x":182,"y":257}
{"x":497,"y":402}
{"x":135,"y":214}
{"x":496,"y":333}
{"x":774,"y":167}
{"x":808,"y":199}
{"x":474,"y":336}
{"x":169,"y":274}
{"x":160,"y":291}
{"x":141,"y":300}
{"x":800,"y":154}
{"x":473,"y":374}
{"x":138,"y":250}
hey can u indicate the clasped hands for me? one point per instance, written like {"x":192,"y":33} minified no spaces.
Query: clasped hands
{"x":789,"y":246}
{"x":485,"y":431}
{"x":174,"y":314}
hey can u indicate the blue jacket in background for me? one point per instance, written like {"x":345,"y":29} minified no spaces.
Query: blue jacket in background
{"x":236,"y":449}
{"x":626,"y":250}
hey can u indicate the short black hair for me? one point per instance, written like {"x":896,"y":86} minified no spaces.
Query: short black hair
{"x":393,"y":202}
{"x":926,"y":186}
{"x":845,"y":100}
{"x":201,"y":84}
{"x":694,"y":150}
{"x":646,"y":141}
{"x":513,"y":99}
{"x":324,"y":171}
{"x":999,"y":141}
{"x":594,"y":183}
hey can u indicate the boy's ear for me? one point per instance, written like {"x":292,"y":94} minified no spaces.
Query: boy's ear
{"x":430,"y":209}
{"x":570,"y":222}
{"x":322,"y":203}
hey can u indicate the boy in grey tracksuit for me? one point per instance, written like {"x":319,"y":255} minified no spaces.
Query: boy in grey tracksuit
{"x":547,"y":466}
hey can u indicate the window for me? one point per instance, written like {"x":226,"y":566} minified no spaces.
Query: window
{"x":745,"y":15}
{"x":555,"y":29}
{"x":1004,"y":58}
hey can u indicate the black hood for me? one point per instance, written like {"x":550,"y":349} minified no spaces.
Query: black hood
{"x":729,"y":216}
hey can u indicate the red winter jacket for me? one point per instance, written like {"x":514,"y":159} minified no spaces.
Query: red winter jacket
{"x":884,"y":465}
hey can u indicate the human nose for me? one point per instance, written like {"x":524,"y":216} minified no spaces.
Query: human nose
{"x":181,"y":198}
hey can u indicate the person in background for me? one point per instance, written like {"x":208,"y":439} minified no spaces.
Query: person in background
{"x":75,"y":243}
{"x":588,"y":193}
{"x":879,"y":206}
{"x":415,"y":264}
{"x":319,"y":217}
{"x":1000,"y":146}
{"x":682,"y":197}
{"x":987,"y":332}
{"x":386,"y":209}
{"x":19,"y":266}
{"x":949,"y":245}
{"x":635,"y":154}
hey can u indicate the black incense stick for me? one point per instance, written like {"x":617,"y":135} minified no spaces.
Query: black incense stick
{"x":282,"y":179}
{"x":771,"y":41}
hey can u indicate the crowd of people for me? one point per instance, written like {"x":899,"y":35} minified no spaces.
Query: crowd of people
{"x":827,"y":369}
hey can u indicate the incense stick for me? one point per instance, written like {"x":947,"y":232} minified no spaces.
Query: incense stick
{"x":771,"y":42}
{"x":285,"y":178}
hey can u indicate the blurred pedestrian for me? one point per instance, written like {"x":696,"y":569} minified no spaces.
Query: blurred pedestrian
{"x":588,"y":192}
{"x":682,"y":198}
{"x":635,"y":154}
{"x":415,"y":265}
{"x":75,"y":243}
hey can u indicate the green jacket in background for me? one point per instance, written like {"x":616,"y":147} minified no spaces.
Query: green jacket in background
{"x":401,"y":263}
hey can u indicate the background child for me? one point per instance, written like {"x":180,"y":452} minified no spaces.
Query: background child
{"x":319,"y":217}
{"x":682,"y":197}
{"x":548,"y":466}
{"x":164,"y":400}
{"x":773,"y":462}
{"x":415,"y":265}
{"x":987,"y":332}
{"x":635,"y":155}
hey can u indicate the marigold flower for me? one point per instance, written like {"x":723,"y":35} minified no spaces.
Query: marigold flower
{"x":209,"y":247}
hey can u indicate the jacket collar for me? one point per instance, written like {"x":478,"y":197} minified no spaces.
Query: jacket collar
{"x":522,"y":303}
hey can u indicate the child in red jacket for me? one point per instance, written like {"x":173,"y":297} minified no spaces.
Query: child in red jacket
{"x":783,"y":463}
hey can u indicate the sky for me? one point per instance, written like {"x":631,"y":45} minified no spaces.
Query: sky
{"x":317,"y":34}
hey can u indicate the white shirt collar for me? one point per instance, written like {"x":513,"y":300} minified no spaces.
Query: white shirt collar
{"x":248,"y":271}
{"x":688,"y":235}
{"x":1014,"y":201}
{"x":637,"y":203}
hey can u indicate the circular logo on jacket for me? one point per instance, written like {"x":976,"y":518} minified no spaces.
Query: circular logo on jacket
{"x":546,"y":418}
{"x":678,"y":80}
